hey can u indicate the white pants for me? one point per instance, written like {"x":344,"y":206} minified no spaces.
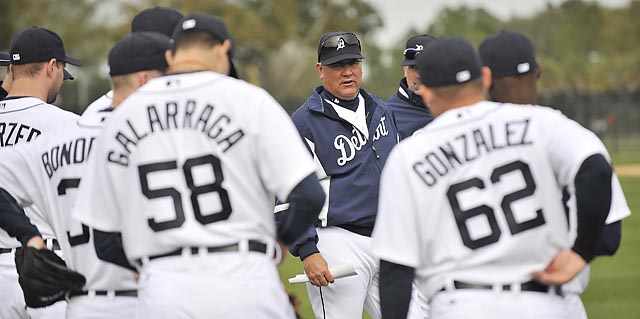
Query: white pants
{"x":218,"y":285}
{"x":572,"y":291}
{"x":346,"y":297}
{"x":12,"y":304}
{"x":487,"y":304}
{"x":102,"y":307}
{"x":575,"y":306}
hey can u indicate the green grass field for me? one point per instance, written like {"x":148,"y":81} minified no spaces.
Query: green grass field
{"x":614,"y":289}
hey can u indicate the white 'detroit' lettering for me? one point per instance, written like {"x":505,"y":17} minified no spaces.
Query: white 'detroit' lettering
{"x":349,"y":146}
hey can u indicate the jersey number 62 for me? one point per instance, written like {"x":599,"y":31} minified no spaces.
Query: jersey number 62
{"x":515,"y":227}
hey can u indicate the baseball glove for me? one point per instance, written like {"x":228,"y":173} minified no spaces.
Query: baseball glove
{"x":44,"y":277}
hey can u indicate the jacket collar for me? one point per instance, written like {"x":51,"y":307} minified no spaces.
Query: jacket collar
{"x":406,"y":95}
{"x":316,"y":103}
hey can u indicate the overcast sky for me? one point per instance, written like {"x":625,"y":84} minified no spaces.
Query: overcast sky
{"x":400,"y":15}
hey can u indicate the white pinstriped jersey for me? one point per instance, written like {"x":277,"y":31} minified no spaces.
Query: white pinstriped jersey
{"x":22,"y":120}
{"x":47,"y":173}
{"x":476,"y":195}
{"x":192,"y":159}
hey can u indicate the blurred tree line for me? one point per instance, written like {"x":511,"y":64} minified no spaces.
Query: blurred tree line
{"x":587,"y":51}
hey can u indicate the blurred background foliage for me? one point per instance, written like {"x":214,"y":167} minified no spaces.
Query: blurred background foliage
{"x":590,"y":54}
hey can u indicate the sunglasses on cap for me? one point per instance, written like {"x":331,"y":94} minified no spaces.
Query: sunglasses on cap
{"x":411,"y":53}
{"x":334,"y":41}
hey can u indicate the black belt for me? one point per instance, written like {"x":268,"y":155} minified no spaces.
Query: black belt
{"x":55,"y":245}
{"x":117,"y":293}
{"x":526,"y":286}
{"x":254,"y":245}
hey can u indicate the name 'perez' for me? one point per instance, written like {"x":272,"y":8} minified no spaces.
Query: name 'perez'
{"x":469,"y":146}
{"x":215,"y":125}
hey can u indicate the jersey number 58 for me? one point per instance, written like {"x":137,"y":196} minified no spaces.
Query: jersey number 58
{"x":196,"y":190}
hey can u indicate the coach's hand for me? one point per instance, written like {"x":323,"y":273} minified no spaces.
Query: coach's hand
{"x":317,"y":270}
{"x":565,"y":265}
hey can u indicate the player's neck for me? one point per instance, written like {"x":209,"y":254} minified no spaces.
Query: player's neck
{"x":189,"y":65}
{"x":465,"y":100}
{"x":195,"y":59}
{"x":119,"y":96}
{"x":29,"y":87}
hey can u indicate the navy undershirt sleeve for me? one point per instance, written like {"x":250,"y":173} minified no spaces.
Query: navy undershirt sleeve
{"x":305,"y":202}
{"x":109,"y":248}
{"x":395,"y":289}
{"x":610,"y":239}
{"x":593,"y":197}
{"x":13,"y":219}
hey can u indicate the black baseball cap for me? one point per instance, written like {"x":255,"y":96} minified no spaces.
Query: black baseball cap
{"x":139,"y":51}
{"x":337,"y":46}
{"x":156,"y":19}
{"x":448,"y":61}
{"x":414,"y":47}
{"x":208,"y":23}
{"x":35,"y":44}
{"x":508,"y":53}
{"x":5,"y":59}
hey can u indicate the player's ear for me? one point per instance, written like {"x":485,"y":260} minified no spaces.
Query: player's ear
{"x":486,"y":79}
{"x":143,"y":77}
{"x":423,"y":92}
{"x":168,"y":55}
{"x":226,"y":46}
{"x":50,"y":67}
{"x":320,"y":67}
{"x":538,"y":71}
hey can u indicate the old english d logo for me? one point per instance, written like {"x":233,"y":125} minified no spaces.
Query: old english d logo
{"x":340,"y":44}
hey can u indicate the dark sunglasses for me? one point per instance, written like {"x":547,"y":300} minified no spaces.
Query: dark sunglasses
{"x":334,"y":41}
{"x":410,"y":54}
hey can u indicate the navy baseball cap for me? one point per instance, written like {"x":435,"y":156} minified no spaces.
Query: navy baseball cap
{"x":208,"y":23}
{"x":414,"y":47}
{"x":35,"y":44}
{"x":508,"y":53}
{"x":5,"y":59}
{"x":448,"y":61}
{"x":337,"y":46}
{"x":158,"y":19}
{"x":139,"y":51}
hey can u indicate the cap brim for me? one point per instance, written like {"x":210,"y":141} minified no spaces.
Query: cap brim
{"x":5,"y":59}
{"x":72,"y":61}
{"x":407,"y":62}
{"x":67,"y":75}
{"x":341,"y":57}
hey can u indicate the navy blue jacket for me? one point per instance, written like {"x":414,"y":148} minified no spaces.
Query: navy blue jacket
{"x":409,"y":111}
{"x":352,"y":164}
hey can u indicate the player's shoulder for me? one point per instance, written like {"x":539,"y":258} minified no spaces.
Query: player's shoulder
{"x":21,"y":105}
{"x":101,"y":103}
{"x":531,"y":110}
{"x":54,"y":116}
{"x":61,"y":113}
{"x":50,"y":115}
{"x":205,"y":80}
